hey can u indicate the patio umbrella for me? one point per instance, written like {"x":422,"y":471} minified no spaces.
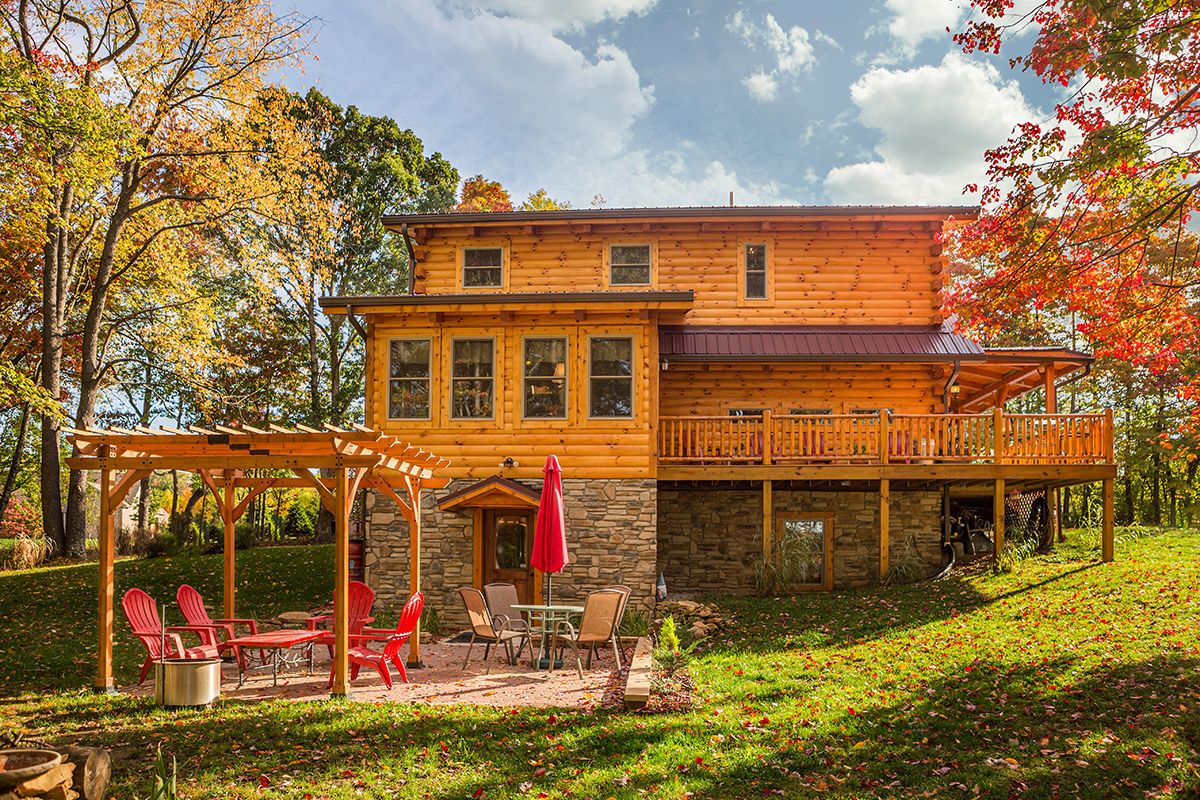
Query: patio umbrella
{"x":550,"y":533}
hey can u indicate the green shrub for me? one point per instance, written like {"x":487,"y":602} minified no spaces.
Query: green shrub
{"x":245,"y":535}
{"x":165,"y":544}
{"x":301,"y":519}
{"x":430,"y":622}
{"x":636,"y":623}
{"x":669,"y":653}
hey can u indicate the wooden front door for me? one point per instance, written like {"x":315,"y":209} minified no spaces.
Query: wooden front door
{"x":507,"y":544}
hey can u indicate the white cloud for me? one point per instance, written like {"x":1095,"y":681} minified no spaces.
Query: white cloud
{"x":504,"y":96}
{"x":762,"y":86}
{"x":914,"y":21}
{"x":934,"y":124}
{"x":791,"y":48}
{"x":561,"y":15}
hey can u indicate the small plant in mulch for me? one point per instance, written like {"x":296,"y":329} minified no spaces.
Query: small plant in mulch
{"x":671,"y":684}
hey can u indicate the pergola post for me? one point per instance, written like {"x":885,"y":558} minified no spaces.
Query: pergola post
{"x":230,"y":549}
{"x":414,"y":568}
{"x":106,"y":545}
{"x":341,"y":582}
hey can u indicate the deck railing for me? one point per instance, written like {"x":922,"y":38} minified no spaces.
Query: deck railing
{"x":887,"y":438}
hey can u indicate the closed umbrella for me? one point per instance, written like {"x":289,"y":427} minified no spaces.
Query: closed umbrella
{"x":550,"y":533}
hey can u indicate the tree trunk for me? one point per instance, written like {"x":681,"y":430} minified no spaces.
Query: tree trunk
{"x":14,"y":464}
{"x":53,"y":296}
{"x":143,"y":511}
{"x":90,"y":368}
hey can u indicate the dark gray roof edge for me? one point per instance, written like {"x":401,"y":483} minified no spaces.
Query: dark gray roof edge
{"x":858,"y":358}
{"x":481,"y":298}
{"x":681,"y":212}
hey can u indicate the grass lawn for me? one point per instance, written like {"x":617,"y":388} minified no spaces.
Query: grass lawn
{"x":1066,"y":678}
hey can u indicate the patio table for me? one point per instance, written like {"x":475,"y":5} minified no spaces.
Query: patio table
{"x":273,"y":648}
{"x":548,"y":614}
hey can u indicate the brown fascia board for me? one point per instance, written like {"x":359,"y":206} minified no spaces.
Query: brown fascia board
{"x":341,"y":304}
{"x":676,"y":214}
{"x":1035,"y":354}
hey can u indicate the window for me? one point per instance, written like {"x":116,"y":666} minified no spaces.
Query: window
{"x":810,"y":412}
{"x":473,"y":379}
{"x":746,"y":412}
{"x":629,"y":264}
{"x":546,"y":378}
{"x":755,"y":256}
{"x":611,"y":379}
{"x":408,"y":378}
{"x":803,"y":545}
{"x":483,"y":266}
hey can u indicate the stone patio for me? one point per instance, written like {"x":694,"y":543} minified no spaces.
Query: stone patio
{"x":442,"y":681}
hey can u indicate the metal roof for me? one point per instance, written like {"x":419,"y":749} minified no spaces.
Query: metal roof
{"x":680,"y":212}
{"x":804,"y":343}
{"x":509,"y":298}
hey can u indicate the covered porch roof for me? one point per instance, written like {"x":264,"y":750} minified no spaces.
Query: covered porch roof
{"x":358,"y":457}
{"x":1008,"y":372}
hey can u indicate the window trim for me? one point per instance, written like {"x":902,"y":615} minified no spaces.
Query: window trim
{"x":768,"y":272}
{"x":633,"y":356}
{"x":450,"y":378}
{"x":429,"y":378}
{"x":827,"y":518}
{"x":462,"y":267}
{"x":652,"y":269}
{"x":566,"y":376}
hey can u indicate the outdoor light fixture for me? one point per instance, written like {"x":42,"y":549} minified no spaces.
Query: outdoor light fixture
{"x":955,"y":389}
{"x":510,"y":463}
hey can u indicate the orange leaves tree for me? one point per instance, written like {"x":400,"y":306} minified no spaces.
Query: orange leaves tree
{"x":480,"y":194}
{"x":1086,"y":212}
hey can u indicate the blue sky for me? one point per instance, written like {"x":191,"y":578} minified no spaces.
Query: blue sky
{"x":669,"y":102}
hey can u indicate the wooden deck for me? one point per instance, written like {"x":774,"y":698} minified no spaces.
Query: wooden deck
{"x":884,"y":439}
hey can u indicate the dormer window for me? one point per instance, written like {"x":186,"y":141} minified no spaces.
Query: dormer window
{"x":629,"y":265}
{"x":483,"y":267}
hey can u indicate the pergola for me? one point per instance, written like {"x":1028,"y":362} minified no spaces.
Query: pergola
{"x":353,"y":458}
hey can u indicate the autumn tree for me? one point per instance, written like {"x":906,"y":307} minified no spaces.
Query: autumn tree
{"x":481,"y":194}
{"x":542,"y":201}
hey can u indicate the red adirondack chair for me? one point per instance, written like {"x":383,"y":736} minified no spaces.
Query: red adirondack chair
{"x":191,"y":603}
{"x":361,"y":655}
{"x":142,"y":613}
{"x":362,"y":597}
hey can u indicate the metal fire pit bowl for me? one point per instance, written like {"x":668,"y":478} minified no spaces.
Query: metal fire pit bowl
{"x":187,"y":682}
{"x":21,"y":765}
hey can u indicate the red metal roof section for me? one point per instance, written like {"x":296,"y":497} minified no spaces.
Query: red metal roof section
{"x":843,"y":343}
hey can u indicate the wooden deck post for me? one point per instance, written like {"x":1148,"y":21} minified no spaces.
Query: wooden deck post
{"x":104,"y":663}
{"x":768,"y":437}
{"x":1051,"y":493}
{"x":341,"y":582}
{"x":768,"y":522}
{"x":414,"y":571}
{"x":885,"y":499}
{"x":998,"y":518}
{"x":1106,"y":530}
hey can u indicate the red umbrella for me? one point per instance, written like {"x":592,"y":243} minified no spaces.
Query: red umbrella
{"x":550,"y":533}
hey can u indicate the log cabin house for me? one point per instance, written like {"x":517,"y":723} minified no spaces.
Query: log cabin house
{"x":736,"y":395}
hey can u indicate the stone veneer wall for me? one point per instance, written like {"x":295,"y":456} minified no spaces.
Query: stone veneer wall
{"x":710,"y":540}
{"x":611,"y":537}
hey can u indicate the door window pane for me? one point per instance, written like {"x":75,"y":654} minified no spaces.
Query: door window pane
{"x":408,"y":378}
{"x":546,"y":378}
{"x":483,"y":266}
{"x":611,"y":364}
{"x":630,"y":264}
{"x":473,"y":376}
{"x":511,"y":538}
{"x":803,"y":549}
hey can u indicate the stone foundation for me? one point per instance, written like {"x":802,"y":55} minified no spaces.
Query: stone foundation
{"x":710,"y":539}
{"x":611,"y":538}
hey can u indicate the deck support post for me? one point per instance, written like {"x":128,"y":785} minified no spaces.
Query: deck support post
{"x":1051,"y":493}
{"x":998,"y":519}
{"x":945,"y":513}
{"x":1106,"y":531}
{"x":414,"y":571}
{"x":885,"y":499}
{"x":227,"y":519}
{"x":104,"y":663}
{"x":768,"y":523}
{"x":341,"y":583}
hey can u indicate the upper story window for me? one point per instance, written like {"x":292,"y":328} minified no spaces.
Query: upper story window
{"x":629,"y":264}
{"x":483,"y":267}
{"x":473,"y":379}
{"x":546,"y":378}
{"x":746,"y":412}
{"x":755,"y":265}
{"x":610,"y":366}
{"x":408,"y":378}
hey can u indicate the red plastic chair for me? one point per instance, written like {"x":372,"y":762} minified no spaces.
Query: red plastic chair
{"x":362,"y":597}
{"x":191,"y":603}
{"x":360,"y":655}
{"x":142,"y":613}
